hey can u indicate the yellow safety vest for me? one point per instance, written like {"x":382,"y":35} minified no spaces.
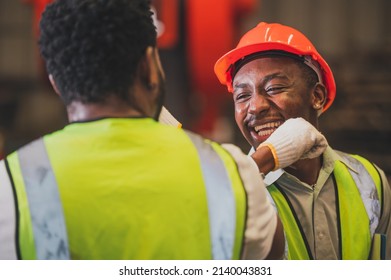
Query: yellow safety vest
{"x":356,"y":228}
{"x":182,"y":214}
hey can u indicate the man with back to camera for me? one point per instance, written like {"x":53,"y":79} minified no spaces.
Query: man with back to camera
{"x":335,"y":206}
{"x":117,"y":184}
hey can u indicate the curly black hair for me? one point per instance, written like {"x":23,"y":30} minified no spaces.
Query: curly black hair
{"x":92,"y":47}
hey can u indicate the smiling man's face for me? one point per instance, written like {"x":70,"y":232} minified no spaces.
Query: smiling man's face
{"x":267,"y":92}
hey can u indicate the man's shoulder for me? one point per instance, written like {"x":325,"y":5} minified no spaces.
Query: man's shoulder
{"x":350,"y":160}
{"x":227,"y":150}
{"x":358,"y":163}
{"x":356,"y":158}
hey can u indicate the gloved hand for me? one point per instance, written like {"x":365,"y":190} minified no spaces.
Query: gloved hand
{"x":295,"y":139}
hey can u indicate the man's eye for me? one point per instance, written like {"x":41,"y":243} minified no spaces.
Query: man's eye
{"x":241,"y":96}
{"x":274,"y":90}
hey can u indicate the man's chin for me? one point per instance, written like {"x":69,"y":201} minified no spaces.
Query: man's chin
{"x":258,"y":140}
{"x":254,"y":144}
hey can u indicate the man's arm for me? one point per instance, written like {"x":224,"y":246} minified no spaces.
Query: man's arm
{"x":263,"y":236}
{"x":264,"y":159}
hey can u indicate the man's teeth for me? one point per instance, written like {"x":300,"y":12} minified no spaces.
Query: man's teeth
{"x":265,"y":132}
{"x":267,"y":128}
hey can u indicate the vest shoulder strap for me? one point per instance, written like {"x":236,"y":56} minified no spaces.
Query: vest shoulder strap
{"x":374,"y":173}
{"x":48,"y":223}
{"x":378,"y":248}
{"x":369,"y":184}
{"x":8,"y":215}
{"x":220,"y":199}
{"x":296,"y":244}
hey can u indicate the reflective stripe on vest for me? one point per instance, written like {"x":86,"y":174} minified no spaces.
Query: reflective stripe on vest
{"x":220,"y":197}
{"x":359,"y":193}
{"x":48,"y":223}
{"x":352,"y":218}
{"x":8,"y":218}
{"x":373,"y":199}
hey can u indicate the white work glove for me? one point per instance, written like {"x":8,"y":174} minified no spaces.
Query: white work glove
{"x":295,"y":139}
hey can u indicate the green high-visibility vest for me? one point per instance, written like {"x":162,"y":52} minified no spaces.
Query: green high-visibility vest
{"x":54,"y":207}
{"x":356,"y":227}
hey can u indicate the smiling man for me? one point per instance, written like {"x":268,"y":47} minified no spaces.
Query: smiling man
{"x":335,"y":206}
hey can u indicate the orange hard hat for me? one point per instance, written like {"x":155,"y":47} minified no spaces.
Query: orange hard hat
{"x":276,"y":37}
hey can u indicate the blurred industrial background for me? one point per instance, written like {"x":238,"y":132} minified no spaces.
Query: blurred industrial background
{"x":354,"y":36}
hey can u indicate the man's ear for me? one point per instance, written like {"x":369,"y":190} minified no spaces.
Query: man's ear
{"x":150,"y":68}
{"x":318,"y":97}
{"x":54,"y":85}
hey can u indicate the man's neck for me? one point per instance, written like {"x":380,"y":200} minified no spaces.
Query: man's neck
{"x":78,"y":111}
{"x":306,"y":170}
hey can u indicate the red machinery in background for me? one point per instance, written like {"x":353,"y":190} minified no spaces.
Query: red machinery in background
{"x":212,"y":29}
{"x":39,"y":7}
